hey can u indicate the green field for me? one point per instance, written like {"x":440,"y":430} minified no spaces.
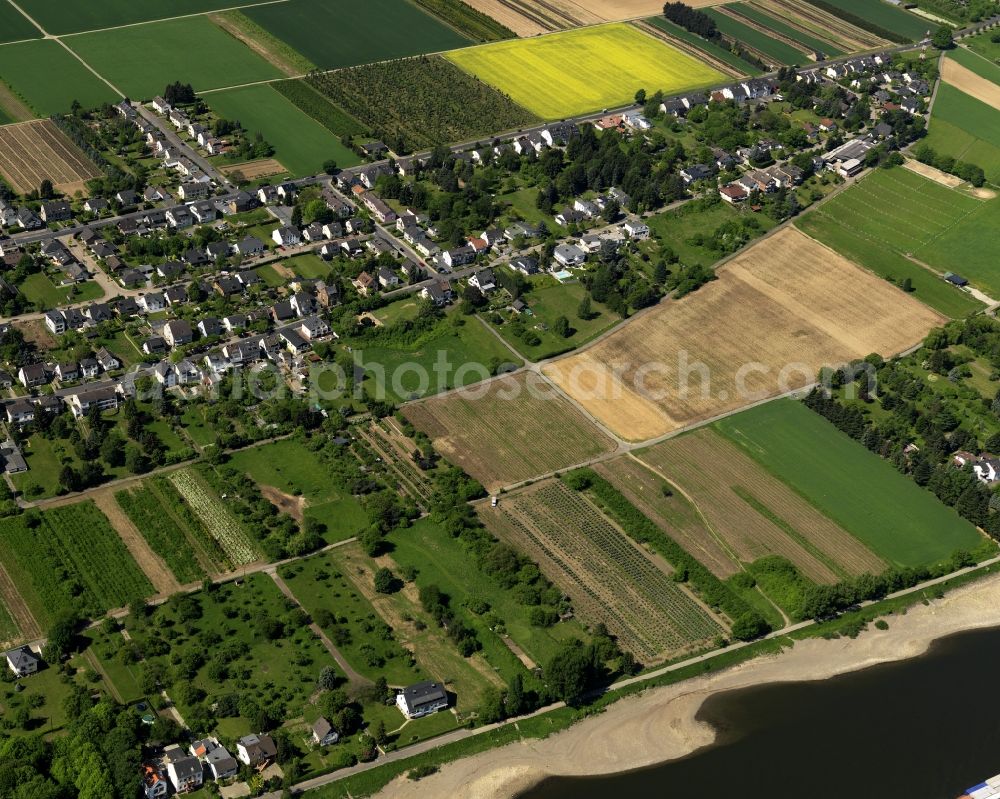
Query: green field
{"x":292,"y":468}
{"x":714,"y":50}
{"x":48,"y":78}
{"x":683,"y":228}
{"x":43,"y":292}
{"x":333,"y":35}
{"x":314,"y":104}
{"x":301,"y":143}
{"x":897,"y":519}
{"x":985,"y":67}
{"x":884,"y":262}
{"x":568,"y":73}
{"x":966,"y":129}
{"x":775,"y":24}
{"x":777,"y":50}
{"x":972,"y":248}
{"x":982,"y":45}
{"x":143,"y":59}
{"x":884,"y":16}
{"x":72,"y":560}
{"x":14,"y":26}
{"x":461,"y":340}
{"x":59,"y":16}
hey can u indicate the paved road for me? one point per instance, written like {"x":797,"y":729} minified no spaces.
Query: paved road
{"x":170,"y":134}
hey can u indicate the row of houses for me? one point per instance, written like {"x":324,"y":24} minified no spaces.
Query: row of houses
{"x":186,"y":771}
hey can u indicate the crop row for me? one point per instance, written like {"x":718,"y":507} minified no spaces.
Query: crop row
{"x":218,"y":520}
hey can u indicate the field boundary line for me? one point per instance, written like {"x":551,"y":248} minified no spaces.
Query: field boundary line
{"x":97,"y":74}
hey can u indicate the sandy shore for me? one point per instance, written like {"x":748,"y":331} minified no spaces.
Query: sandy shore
{"x":659,"y":724}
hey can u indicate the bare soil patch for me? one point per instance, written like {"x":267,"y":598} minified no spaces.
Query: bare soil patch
{"x":614,"y":10}
{"x":510,"y":16}
{"x":32,"y":151}
{"x":286,"y":503}
{"x":508,"y":430}
{"x":932,"y":173}
{"x":965,"y":80}
{"x":151,"y":564}
{"x":778,"y":313}
{"x":233,"y":28}
{"x":251,"y":170}
{"x":35,"y":332}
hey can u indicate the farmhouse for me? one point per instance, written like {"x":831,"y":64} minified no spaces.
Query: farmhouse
{"x":421,"y":699}
{"x":22,"y":661}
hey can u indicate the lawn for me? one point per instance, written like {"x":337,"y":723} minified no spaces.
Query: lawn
{"x":39,"y":289}
{"x":292,"y":468}
{"x":971,"y":248}
{"x":776,"y":25}
{"x":951,"y":140}
{"x":568,"y":73}
{"x":14,"y":26}
{"x":884,"y":16}
{"x":301,"y":143}
{"x":141,"y":60}
{"x":45,"y":458}
{"x":927,"y":286}
{"x":775,"y":49}
{"x":682,"y":229}
{"x":47,"y":77}
{"x":59,"y":16}
{"x":309,"y":266}
{"x":897,"y":519}
{"x":334,"y":35}
{"x":982,"y":45}
{"x":72,"y":560}
{"x":714,"y":50}
{"x":404,"y":371}
{"x":548,"y":300}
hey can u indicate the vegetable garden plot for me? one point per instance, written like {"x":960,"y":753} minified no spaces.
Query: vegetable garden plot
{"x":217,"y":518}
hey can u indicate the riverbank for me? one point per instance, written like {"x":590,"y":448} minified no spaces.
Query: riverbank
{"x":660,"y":724}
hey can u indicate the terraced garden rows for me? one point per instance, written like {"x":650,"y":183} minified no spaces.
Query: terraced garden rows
{"x":608,"y":578}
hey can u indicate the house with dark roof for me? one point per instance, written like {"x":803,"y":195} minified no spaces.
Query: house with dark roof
{"x":323,"y":733}
{"x":22,"y":661}
{"x":422,"y":699}
{"x":255,"y":749}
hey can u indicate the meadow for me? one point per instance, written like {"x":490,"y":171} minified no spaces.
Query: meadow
{"x":755,"y":514}
{"x":714,"y":50}
{"x":508,"y":430}
{"x":69,"y":558}
{"x":346,"y":34}
{"x":784,"y":300}
{"x":31,"y":70}
{"x":59,"y":17}
{"x":607,"y":576}
{"x":315,"y":105}
{"x":301,"y":143}
{"x":292,"y":468}
{"x":424,"y":101}
{"x":773,"y":23}
{"x":143,"y":59}
{"x":906,"y":26}
{"x":774,"y":49}
{"x":984,"y":67}
{"x":567,"y":73}
{"x":966,"y":129}
{"x":897,"y":519}
{"x":927,"y":286}
{"x":14,"y":26}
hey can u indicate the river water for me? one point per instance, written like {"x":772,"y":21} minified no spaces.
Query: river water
{"x":925,"y":728}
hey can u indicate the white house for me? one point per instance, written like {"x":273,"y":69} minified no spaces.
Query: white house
{"x":323,"y":733}
{"x":254,"y":749}
{"x":569,"y":255}
{"x":636,"y":230}
{"x":22,"y":661}
{"x":185,"y":774}
{"x":421,"y":699}
{"x":286,"y":236}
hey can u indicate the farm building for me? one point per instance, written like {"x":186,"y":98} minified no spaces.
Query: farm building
{"x":421,"y":699}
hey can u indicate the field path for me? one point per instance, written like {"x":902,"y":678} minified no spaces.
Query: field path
{"x":19,"y":610}
{"x":352,"y":676}
{"x":151,"y":564}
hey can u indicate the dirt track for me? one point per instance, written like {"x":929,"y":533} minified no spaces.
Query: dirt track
{"x":151,"y":564}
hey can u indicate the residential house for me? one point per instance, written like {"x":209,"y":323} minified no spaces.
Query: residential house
{"x":154,"y":785}
{"x":127,"y":198}
{"x":185,"y":774}
{"x":187,"y":372}
{"x":286,"y":236}
{"x":27,"y":219}
{"x":569,"y":255}
{"x":363,"y":283}
{"x":95,"y":205}
{"x":695,"y":172}
{"x":56,"y":211}
{"x":525,"y":264}
{"x":387,"y":279}
{"x":33,"y":375}
{"x":242,"y":202}
{"x":327,"y":294}
{"x":250,"y":246}
{"x":69,"y":370}
{"x":203,"y":212}
{"x":422,"y":699}
{"x":227,"y":286}
{"x":733,"y":193}
{"x":484,"y":280}
{"x":459,"y":256}
{"x":179,"y":217}
{"x":313,"y":327}
{"x":104,"y":398}
{"x":107,"y":361}
{"x":177,"y":332}
{"x":636,"y":230}
{"x":439,"y":293}
{"x":323,"y":733}
{"x":89,"y":368}
{"x":378,"y":208}
{"x":221,"y":764}
{"x":22,"y":661}
{"x":153,"y":302}
{"x":193,"y":191}
{"x":569,"y":216}
{"x":302,"y":303}
{"x":234,"y":322}
{"x":55,"y":322}
{"x":282,"y":311}
{"x":210,"y":326}
{"x":165,"y":374}
{"x":176,"y":295}
{"x":20,"y":412}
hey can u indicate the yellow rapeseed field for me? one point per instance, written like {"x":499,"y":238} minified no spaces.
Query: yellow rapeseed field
{"x":587,"y":69}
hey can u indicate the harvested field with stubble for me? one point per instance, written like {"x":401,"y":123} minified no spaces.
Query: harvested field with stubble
{"x":251,"y":170}
{"x":508,"y":430}
{"x":675,"y":514}
{"x":32,"y":151}
{"x":755,"y":513}
{"x":780,"y":311}
{"x":607,"y":577}
{"x":965,"y":80}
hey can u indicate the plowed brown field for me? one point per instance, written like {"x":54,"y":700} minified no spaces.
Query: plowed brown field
{"x":32,"y":151}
